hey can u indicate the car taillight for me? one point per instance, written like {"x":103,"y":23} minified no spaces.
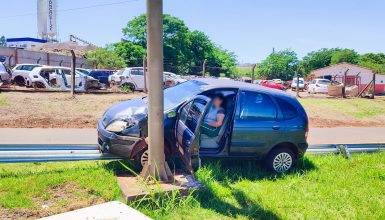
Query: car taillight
{"x":317,"y":85}
{"x":121,"y":77}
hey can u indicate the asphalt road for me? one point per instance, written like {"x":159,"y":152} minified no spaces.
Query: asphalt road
{"x":317,"y":136}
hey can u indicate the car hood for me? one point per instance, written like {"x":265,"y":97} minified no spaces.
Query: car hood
{"x":135,"y":109}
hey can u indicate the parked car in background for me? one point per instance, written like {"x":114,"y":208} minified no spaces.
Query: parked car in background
{"x":272,"y":84}
{"x":301,"y":84}
{"x":259,"y":123}
{"x":278,"y":81}
{"x":49,"y":77}
{"x":133,"y":78}
{"x":318,"y":86}
{"x":5,"y":73}
{"x":117,"y":77}
{"x":84,"y":71}
{"x":258,"y":81}
{"x":174,"y":77}
{"x":21,"y":74}
{"x":101,"y":75}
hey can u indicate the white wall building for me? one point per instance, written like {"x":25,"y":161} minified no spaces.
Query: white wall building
{"x":24,"y":42}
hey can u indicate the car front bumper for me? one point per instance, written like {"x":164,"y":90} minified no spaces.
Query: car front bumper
{"x":122,"y":146}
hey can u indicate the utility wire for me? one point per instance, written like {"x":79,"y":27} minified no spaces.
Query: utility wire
{"x":73,"y":9}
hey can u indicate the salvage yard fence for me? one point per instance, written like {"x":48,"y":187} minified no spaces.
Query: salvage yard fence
{"x":16,"y":56}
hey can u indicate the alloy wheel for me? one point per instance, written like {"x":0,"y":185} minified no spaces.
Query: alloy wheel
{"x":282,"y":162}
{"x":144,"y":158}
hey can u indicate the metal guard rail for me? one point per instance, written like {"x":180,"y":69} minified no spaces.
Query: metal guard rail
{"x":14,"y":153}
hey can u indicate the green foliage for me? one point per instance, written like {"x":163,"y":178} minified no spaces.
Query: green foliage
{"x":3,"y":41}
{"x":184,"y":50}
{"x":132,"y":53}
{"x":105,"y":59}
{"x":345,"y":55}
{"x":317,"y":59}
{"x":373,"y":61}
{"x":281,"y":65}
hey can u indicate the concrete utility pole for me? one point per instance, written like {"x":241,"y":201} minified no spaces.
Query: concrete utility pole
{"x":204,"y":68}
{"x":374,"y":85}
{"x":73,"y":67}
{"x":252,"y":73}
{"x":145,"y":73}
{"x":156,"y":166}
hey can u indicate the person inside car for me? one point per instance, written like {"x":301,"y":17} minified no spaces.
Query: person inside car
{"x":212,"y":122}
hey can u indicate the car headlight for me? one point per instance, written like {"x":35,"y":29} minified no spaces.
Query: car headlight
{"x":119,"y":126}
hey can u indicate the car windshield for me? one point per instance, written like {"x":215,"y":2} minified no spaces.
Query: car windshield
{"x":174,"y":96}
{"x":323,"y":82}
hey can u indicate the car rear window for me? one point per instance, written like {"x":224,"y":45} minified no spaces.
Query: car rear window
{"x":288,"y":110}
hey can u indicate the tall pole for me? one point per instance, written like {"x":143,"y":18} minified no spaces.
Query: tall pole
{"x":145,"y":73}
{"x":252,"y":73}
{"x":204,"y":68}
{"x":156,"y":167}
{"x":73,"y":67}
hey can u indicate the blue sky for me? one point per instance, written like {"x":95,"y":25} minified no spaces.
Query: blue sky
{"x":249,"y":28}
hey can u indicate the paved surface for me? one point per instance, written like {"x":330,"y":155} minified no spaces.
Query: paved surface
{"x":89,"y":136}
{"x":110,"y":210}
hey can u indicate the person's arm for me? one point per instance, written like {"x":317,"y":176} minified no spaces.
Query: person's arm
{"x":219,"y":121}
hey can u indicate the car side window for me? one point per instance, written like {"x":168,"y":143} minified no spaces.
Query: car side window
{"x":313,"y":82}
{"x":256,"y":106}
{"x":184,"y":112}
{"x":136,"y":72}
{"x":192,"y":112}
{"x":288,"y":110}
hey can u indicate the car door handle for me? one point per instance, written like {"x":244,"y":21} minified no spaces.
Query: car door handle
{"x":276,"y":127}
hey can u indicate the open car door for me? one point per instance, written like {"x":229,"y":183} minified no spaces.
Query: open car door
{"x":187,"y":130}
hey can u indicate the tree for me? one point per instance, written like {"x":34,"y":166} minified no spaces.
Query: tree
{"x":373,"y":61}
{"x":105,"y":59}
{"x":345,"y":55}
{"x":317,"y":59}
{"x":281,"y":65}
{"x":3,"y":41}
{"x":184,"y":50}
{"x":132,"y":53}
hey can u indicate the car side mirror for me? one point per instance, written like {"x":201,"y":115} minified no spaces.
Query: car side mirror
{"x":171,"y":114}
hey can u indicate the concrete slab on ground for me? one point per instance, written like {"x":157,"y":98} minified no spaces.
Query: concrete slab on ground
{"x":110,"y":210}
{"x":133,"y":188}
{"x":317,"y":136}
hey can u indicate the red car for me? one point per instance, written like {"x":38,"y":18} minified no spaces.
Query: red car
{"x":272,"y":84}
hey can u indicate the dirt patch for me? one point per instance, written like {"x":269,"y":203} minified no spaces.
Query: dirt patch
{"x":56,"y":110}
{"x":64,"y":198}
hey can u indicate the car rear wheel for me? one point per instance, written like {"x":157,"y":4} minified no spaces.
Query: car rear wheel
{"x":19,"y":81}
{"x":280,"y":160}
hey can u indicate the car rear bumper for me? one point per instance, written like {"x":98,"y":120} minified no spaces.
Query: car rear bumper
{"x":302,"y":147}
{"x":122,"y":146}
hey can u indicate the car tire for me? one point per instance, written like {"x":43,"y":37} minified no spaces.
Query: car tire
{"x":280,"y":160}
{"x":19,"y":81}
{"x":142,"y":157}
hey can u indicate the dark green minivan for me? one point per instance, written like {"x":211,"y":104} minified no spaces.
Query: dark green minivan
{"x":259,"y":123}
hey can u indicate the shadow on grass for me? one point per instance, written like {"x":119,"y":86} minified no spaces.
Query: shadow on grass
{"x":217,"y":176}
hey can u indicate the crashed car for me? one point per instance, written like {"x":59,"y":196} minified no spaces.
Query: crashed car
{"x":259,"y":123}
{"x":5,"y":73}
{"x":21,"y":74}
{"x":48,"y":77}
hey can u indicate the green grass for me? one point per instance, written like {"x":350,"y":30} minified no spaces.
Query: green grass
{"x":358,"y":108}
{"x":28,"y":185}
{"x":327,"y":187}
{"x":3,"y":100}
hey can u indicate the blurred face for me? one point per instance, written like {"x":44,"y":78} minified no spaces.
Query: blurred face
{"x":217,"y":102}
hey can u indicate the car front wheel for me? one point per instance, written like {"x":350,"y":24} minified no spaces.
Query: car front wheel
{"x":280,"y":160}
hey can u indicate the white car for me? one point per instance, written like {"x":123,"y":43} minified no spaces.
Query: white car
{"x":117,"y":77}
{"x":133,"y":78}
{"x":318,"y":86}
{"x":20,"y":74}
{"x":301,"y":84}
{"x":5,"y":73}
{"x":174,"y":77}
{"x":56,"y":78}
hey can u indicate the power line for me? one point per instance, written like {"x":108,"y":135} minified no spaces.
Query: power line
{"x":74,"y":9}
